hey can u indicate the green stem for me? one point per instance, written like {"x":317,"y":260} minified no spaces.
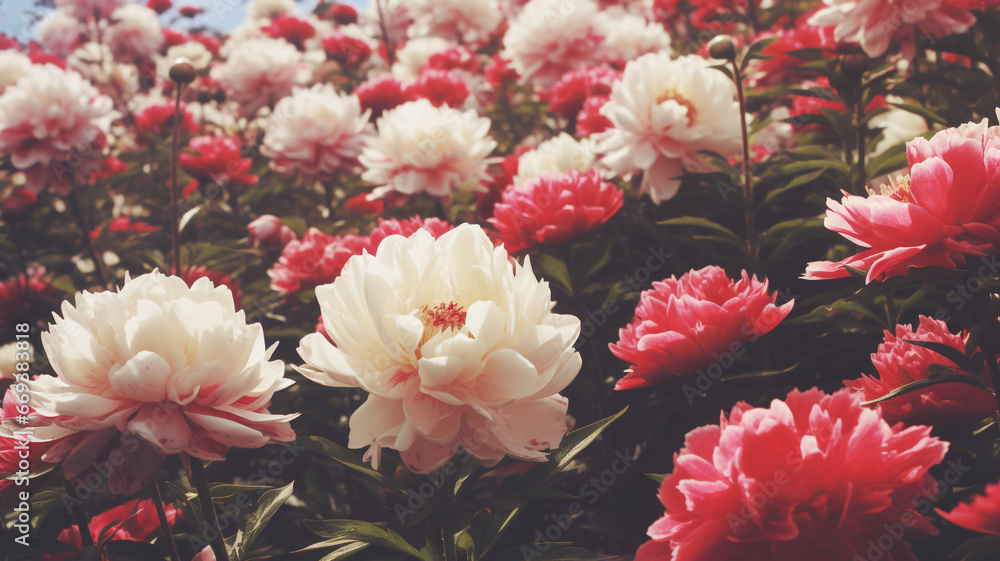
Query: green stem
{"x":80,"y":514}
{"x":752,"y":246}
{"x":175,"y":139}
{"x":164,"y":524}
{"x":200,"y":481}
{"x":81,"y":222}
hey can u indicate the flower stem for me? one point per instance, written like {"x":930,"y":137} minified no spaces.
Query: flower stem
{"x":80,"y":513}
{"x":390,"y":54}
{"x":175,"y":139}
{"x":862,"y":131}
{"x":81,"y":222}
{"x":752,"y":16}
{"x":164,"y":524}
{"x":747,"y":173}
{"x":200,"y":481}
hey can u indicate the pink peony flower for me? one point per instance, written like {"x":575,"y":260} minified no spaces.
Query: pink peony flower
{"x":218,"y":161}
{"x":814,"y":477}
{"x":107,"y":168}
{"x":684,"y":324}
{"x":898,"y":363}
{"x":549,"y":38}
{"x":158,"y":119}
{"x":159,"y":6}
{"x":875,"y":23}
{"x":52,"y":125}
{"x":346,"y":50}
{"x":459,"y":57}
{"x":568,"y":95}
{"x":343,"y":14}
{"x":292,"y":29}
{"x":134,"y":33}
{"x":440,"y":87}
{"x":133,"y":521}
{"x":982,"y":514}
{"x":15,"y":203}
{"x":259,"y":73}
{"x":314,"y":260}
{"x":268,"y":231}
{"x":554,"y":209}
{"x":946,"y":210}
{"x":803,"y":36}
{"x":590,"y":120}
{"x":405,"y":228}
{"x":382,"y":94}
{"x":363,"y":204}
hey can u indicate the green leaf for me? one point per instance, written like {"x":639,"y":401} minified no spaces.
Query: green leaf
{"x":924,"y":112}
{"x":369,"y":533}
{"x":931,"y":380}
{"x":755,"y":52}
{"x":894,"y":158}
{"x":344,"y":456}
{"x":572,"y":444}
{"x":267,"y":506}
{"x":950,"y":353}
{"x":657,"y":477}
{"x":553,"y":269}
{"x":38,"y":547}
{"x":798,"y":181}
{"x":704,"y":223}
{"x":345,"y":551}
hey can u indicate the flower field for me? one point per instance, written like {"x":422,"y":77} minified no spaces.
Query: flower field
{"x":501,"y":280}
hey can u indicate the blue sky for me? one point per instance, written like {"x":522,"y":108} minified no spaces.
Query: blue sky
{"x":15,"y":15}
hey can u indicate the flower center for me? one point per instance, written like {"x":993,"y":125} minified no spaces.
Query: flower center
{"x":444,"y":316}
{"x":672,"y":95}
{"x":898,"y":189}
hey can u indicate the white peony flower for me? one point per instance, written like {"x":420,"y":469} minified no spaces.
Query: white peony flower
{"x":259,"y":73}
{"x":52,"y":125}
{"x":134,"y":32}
{"x":84,"y":10}
{"x":195,"y":52}
{"x":13,"y":65}
{"x":556,"y":155}
{"x":550,"y":37}
{"x":316,"y":131}
{"x":270,"y":9}
{"x":455,"y":347}
{"x":10,"y":357}
{"x":415,"y":54}
{"x":628,"y":36}
{"x":665,"y":110}
{"x":178,"y":367}
{"x":898,"y":126}
{"x":59,"y":33}
{"x":460,"y":20}
{"x":422,"y":148}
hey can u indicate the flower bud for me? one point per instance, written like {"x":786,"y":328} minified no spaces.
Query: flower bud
{"x":722,"y":47}
{"x":182,"y":71}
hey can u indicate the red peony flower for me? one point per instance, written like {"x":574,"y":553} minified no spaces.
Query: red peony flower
{"x":362,"y":204}
{"x":218,"y":161}
{"x":343,"y":14}
{"x":292,"y":29}
{"x":381,"y":94}
{"x":124,"y":224}
{"x":405,"y":228}
{"x":346,"y":50}
{"x":38,"y":55}
{"x":172,"y":37}
{"x":456,"y":58}
{"x":158,"y":119}
{"x":774,"y":70}
{"x":684,"y":324}
{"x":499,"y":72}
{"x":898,"y":363}
{"x":440,"y":87}
{"x":26,"y":296}
{"x":812,"y":105}
{"x":554,"y":209}
{"x":813,"y":477}
{"x":569,"y":94}
{"x":159,"y":6}
{"x":107,"y":168}
{"x":946,"y":210}
{"x":190,"y":11}
{"x":314,"y":260}
{"x":590,"y":120}
{"x":16,"y":203}
{"x":268,"y":231}
{"x":498,"y":184}
{"x":982,"y":514}
{"x":133,"y":521}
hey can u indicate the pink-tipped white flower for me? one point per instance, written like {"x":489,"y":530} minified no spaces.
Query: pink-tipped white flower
{"x":550,"y":37}
{"x":461,"y":20}
{"x":557,"y":155}
{"x":422,"y":148}
{"x":664,"y":111}
{"x":50,"y":116}
{"x":134,"y":32}
{"x":177,"y":367}
{"x":455,"y":347}
{"x":259,"y":72}
{"x":316,"y":131}
{"x":13,"y":65}
{"x":59,"y":33}
{"x":628,"y":35}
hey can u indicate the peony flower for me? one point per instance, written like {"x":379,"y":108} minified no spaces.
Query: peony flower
{"x":134,"y":33}
{"x":362,"y":204}
{"x":190,"y":274}
{"x":59,"y":33}
{"x":219,"y":160}
{"x":628,"y":36}
{"x":316,"y":131}
{"x":415,"y":54}
{"x":684,"y":324}
{"x":270,"y":9}
{"x":898,"y":126}
{"x":815,"y":476}
{"x":52,"y":125}
{"x":268,"y":231}
{"x":982,"y":514}
{"x":944,"y":211}
{"x":158,"y":119}
{"x":381,"y":94}
{"x":175,"y":366}
{"x":293,"y":29}
{"x":458,"y":57}
{"x":314,"y":260}
{"x":259,"y":73}
{"x":406,"y":227}
{"x":194,"y":51}
{"x":13,"y":65}
{"x":343,"y":14}
{"x":346,"y":50}
{"x":422,"y":148}
{"x":467,"y":21}
{"x":778,"y":68}
{"x":554,"y":209}
{"x":440,"y":87}
{"x":15,"y":203}
{"x":575,"y":87}
{"x":547,"y":39}
{"x":590,"y":120}
{"x":874,"y":23}
{"x":664,"y":111}
{"x":135,"y":520}
{"x":26,"y":296}
{"x":159,"y":6}
{"x":557,"y":155}
{"x":107,"y":168}
{"x":899,"y":363}
{"x":455,"y":347}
